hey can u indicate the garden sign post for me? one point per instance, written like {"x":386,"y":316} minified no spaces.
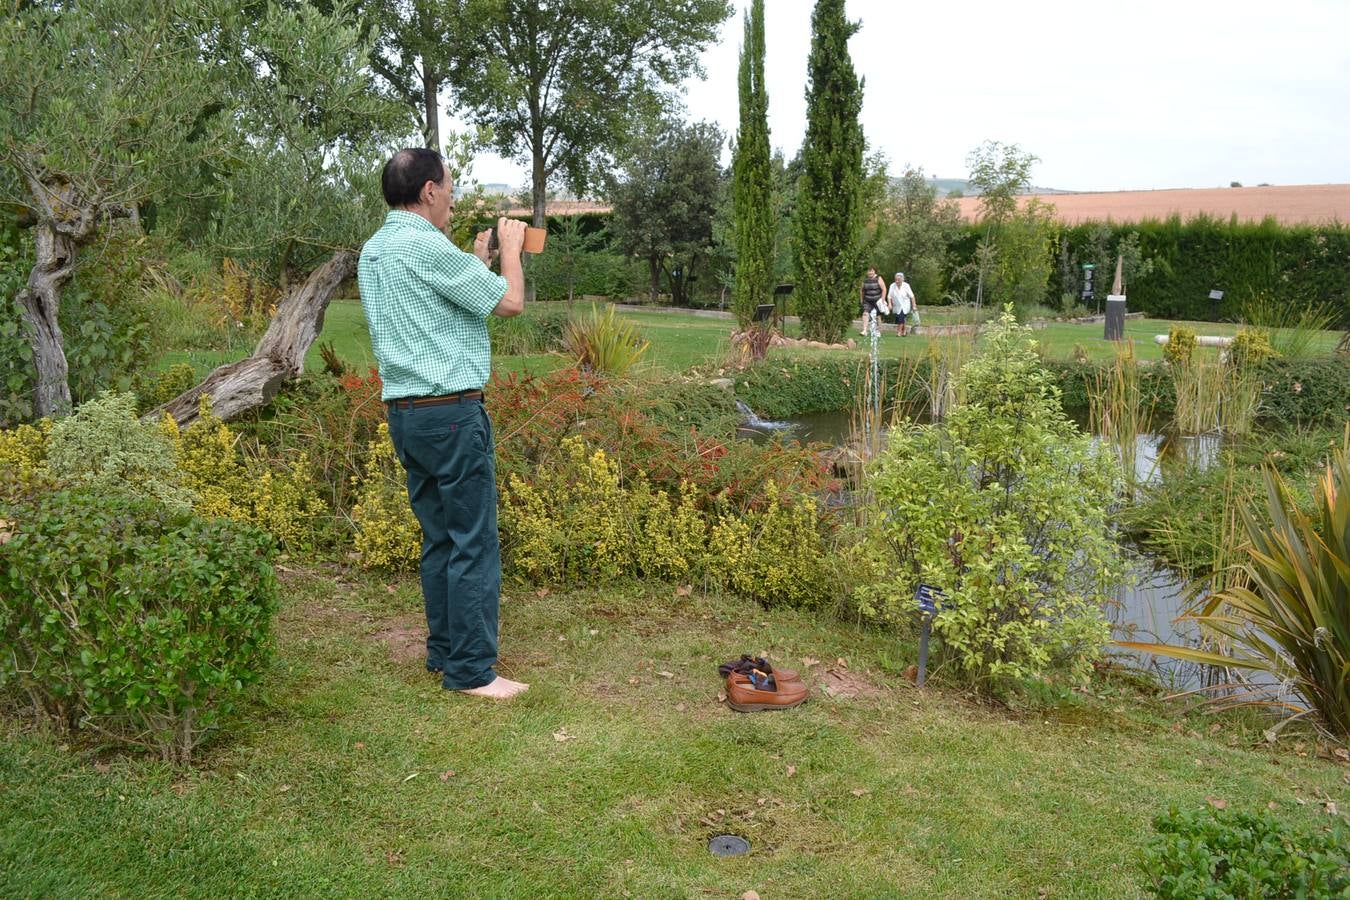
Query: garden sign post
{"x":930,"y":603}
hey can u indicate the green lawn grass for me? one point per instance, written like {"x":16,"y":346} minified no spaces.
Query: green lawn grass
{"x":610,"y":775}
{"x":680,"y":340}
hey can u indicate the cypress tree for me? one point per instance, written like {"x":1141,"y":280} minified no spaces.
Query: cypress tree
{"x":827,"y":227}
{"x":751,"y":178}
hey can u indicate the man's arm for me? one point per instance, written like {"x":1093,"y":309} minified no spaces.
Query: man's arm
{"x":511,"y":237}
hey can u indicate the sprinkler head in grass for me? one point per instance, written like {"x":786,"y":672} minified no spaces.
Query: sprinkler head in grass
{"x":728,"y":845}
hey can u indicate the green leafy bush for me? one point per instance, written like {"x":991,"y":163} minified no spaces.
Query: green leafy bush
{"x":103,"y":445}
{"x":1003,"y":505}
{"x":1305,"y":392}
{"x":1205,"y":853}
{"x":135,"y":620}
{"x":540,"y":329}
{"x":778,"y":388}
{"x":157,"y":388}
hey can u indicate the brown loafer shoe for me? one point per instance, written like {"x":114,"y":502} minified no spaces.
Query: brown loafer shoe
{"x":747,"y":664}
{"x":744,"y":696}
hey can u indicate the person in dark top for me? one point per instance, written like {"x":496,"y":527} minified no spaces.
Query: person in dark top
{"x":872,"y":292}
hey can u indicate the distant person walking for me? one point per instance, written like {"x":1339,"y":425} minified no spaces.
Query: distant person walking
{"x":873,"y":289}
{"x":903,"y":304}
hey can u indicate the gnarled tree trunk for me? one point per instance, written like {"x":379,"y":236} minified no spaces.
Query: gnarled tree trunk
{"x":279,"y":357}
{"x":40,"y":301}
{"x":62,"y":220}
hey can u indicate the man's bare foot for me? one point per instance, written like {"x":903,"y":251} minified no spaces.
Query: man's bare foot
{"x":498,"y":688}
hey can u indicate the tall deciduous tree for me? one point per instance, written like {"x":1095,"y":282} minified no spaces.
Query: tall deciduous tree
{"x":1015,"y":255}
{"x":752,"y":178}
{"x":665,"y":201}
{"x":409,"y":56}
{"x":828,"y":223}
{"x":561,"y":84}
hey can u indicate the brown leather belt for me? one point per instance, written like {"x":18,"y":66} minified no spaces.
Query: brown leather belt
{"x":457,"y":397}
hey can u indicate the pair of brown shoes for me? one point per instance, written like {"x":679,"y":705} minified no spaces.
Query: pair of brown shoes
{"x":754,"y":685}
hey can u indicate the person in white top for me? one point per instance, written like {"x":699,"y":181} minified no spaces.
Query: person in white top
{"x":902,"y":302}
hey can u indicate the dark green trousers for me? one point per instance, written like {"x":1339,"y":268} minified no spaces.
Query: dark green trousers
{"x":447,"y":451}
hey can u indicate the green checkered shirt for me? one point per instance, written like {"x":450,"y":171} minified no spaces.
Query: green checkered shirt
{"x":426,"y":304}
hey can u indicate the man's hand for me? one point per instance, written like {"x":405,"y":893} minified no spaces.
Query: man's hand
{"x":511,"y":239}
{"x":511,"y":236}
{"x":481,"y":244}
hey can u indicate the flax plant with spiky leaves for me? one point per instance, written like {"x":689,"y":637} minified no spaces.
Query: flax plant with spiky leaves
{"x":602,"y":344}
{"x":1286,"y":609}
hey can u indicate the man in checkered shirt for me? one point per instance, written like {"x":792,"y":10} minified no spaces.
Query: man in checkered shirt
{"x":426,"y":304}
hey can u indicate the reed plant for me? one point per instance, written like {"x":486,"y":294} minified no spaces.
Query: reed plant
{"x":1283,"y":608}
{"x":1119,"y":411}
{"x":1213,"y":396}
{"x":943,"y":359}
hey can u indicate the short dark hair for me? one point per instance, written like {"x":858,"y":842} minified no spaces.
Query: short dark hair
{"x":406,"y":172}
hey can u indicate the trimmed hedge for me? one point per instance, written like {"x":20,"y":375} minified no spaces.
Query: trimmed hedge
{"x":1301,"y":265}
{"x":137,"y":621}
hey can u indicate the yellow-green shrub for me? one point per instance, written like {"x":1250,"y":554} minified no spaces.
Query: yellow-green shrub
{"x":387,"y":533}
{"x":279,"y":497}
{"x":1180,"y":345}
{"x":775,"y":554}
{"x":1250,"y":346}
{"x":577,"y":522}
{"x":23,"y":451}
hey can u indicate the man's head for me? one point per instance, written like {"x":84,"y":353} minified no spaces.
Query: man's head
{"x":416,"y":180}
{"x":899,"y":277}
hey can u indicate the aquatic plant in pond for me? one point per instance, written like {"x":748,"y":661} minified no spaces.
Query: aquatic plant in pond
{"x":1285,"y":609}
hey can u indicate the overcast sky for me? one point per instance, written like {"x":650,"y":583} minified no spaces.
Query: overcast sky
{"x":1111,"y":96}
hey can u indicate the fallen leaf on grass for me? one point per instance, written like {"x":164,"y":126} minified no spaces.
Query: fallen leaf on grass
{"x":721,"y":696}
{"x":542,"y":593}
{"x":1216,"y":802}
{"x":391,"y":588}
{"x":393,"y":857}
{"x":1330,"y":807}
{"x":286,"y":787}
{"x":447,"y":774}
{"x":809,"y":662}
{"x":1342,"y":754}
{"x":180,"y":788}
{"x":593,"y":632}
{"x":841,"y":663}
{"x":684,"y":590}
{"x":860,"y":792}
{"x":791,"y":770}
{"x":633,"y":680}
{"x":1215,"y":728}
{"x":1176,"y":727}
{"x":102,"y":768}
{"x":680,"y":707}
{"x":561,"y":735}
{"x":1272,"y":805}
{"x":360,"y":745}
{"x":665,"y":674}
